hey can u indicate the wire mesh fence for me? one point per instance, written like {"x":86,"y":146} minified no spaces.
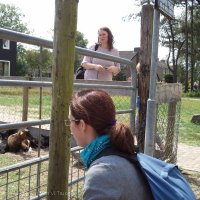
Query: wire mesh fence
{"x":168,"y":101}
{"x":24,"y":175}
{"x":168,"y":121}
{"x":28,"y":179}
{"x":14,"y":104}
{"x":22,"y":182}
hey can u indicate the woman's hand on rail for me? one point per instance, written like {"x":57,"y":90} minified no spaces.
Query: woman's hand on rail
{"x":114,"y":70}
{"x":100,"y":68}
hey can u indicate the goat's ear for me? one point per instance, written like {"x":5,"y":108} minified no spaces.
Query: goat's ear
{"x":21,"y":133}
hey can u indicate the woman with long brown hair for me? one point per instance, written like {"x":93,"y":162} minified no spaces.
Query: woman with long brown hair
{"x":100,"y":69}
{"x":92,"y":119}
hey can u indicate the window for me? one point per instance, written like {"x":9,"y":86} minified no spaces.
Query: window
{"x":4,"y":68}
{"x":6,"y":44}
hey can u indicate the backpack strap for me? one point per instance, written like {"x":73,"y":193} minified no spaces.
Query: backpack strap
{"x":130,"y":157}
{"x":113,"y":151}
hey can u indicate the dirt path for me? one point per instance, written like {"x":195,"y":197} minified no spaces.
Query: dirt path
{"x":188,"y":157}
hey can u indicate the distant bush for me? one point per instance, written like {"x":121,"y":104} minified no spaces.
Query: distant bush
{"x":120,"y":77}
{"x":194,"y":93}
{"x":168,"y":78}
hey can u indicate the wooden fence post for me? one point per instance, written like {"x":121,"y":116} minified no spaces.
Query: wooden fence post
{"x":170,"y":133}
{"x":25,"y":102}
{"x":63,"y":76}
{"x":145,"y":62}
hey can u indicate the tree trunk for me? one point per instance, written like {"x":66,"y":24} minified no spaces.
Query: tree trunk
{"x":186,"y":39}
{"x":192,"y":46}
{"x":63,"y":76}
{"x":145,"y":62}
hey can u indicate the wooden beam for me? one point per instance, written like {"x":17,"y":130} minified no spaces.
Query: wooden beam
{"x":63,"y":67}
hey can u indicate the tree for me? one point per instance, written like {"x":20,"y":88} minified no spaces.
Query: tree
{"x":11,"y":18}
{"x":21,"y":60}
{"x":38,"y":62}
{"x":181,"y":36}
{"x":186,"y":39}
{"x":80,"y":42}
{"x":172,"y":37}
{"x":28,"y":61}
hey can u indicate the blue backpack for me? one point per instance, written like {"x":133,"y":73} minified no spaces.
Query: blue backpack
{"x":165,"y":179}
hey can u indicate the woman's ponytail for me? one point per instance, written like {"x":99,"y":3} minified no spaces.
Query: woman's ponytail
{"x":122,"y":139}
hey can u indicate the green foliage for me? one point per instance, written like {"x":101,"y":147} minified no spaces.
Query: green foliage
{"x":21,"y":61}
{"x":194,"y":93}
{"x":11,"y":18}
{"x":80,"y":42}
{"x":120,"y":77}
{"x":168,"y":78}
{"x":38,"y":62}
{"x":33,"y":62}
{"x":173,"y":35}
{"x":30,"y":62}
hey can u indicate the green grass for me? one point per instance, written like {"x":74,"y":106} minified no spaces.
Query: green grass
{"x":189,"y":132}
{"x":121,"y":102}
{"x":13,"y":97}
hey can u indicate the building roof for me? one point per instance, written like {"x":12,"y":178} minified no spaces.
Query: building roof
{"x":127,"y":54}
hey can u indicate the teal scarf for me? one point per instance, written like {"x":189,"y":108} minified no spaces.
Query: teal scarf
{"x":93,"y":149}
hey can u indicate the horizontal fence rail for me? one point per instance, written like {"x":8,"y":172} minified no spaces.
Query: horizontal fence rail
{"x":20,"y":167}
{"x":20,"y":83}
{"x":32,"y":161}
{"x":24,"y":38}
{"x":18,"y":125}
{"x":23,"y":164}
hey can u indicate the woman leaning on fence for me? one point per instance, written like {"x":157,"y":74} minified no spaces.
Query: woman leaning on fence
{"x":100,"y":69}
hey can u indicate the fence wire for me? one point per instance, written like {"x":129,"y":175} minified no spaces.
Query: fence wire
{"x":167,"y":131}
{"x":28,"y":179}
{"x":19,"y":180}
{"x":168,"y":101}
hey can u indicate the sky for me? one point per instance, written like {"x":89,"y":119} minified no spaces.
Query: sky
{"x":92,"y":14}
